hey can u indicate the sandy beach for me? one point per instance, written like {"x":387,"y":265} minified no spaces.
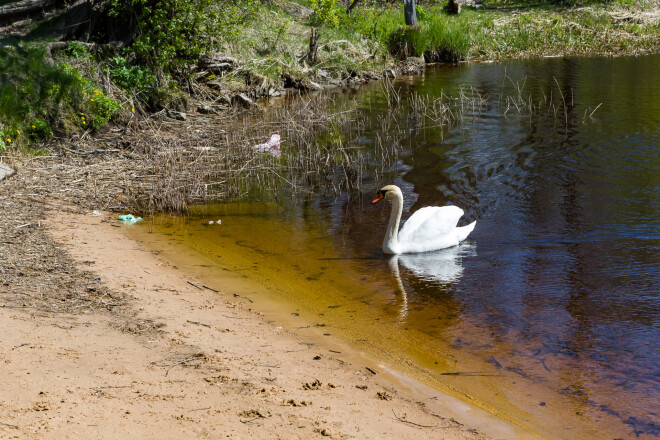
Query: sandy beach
{"x":102,"y":338}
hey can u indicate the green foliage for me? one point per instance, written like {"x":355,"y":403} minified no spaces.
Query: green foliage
{"x":276,"y":33}
{"x":438,"y":39}
{"x":102,"y":109}
{"x":231,"y":17}
{"x":130,"y":78}
{"x":560,"y":31}
{"x":448,"y":41}
{"x":32,"y":92}
{"x":326,"y":12}
{"x":422,"y":14}
{"x":76,"y":50}
{"x":173,"y":34}
{"x":93,"y":108}
{"x":36,"y":97}
{"x":375,"y":23}
{"x":39,"y":129}
{"x":9,"y":136}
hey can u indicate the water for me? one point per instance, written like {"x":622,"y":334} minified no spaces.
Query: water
{"x":548,"y":315}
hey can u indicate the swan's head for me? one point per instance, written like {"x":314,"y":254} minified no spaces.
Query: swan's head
{"x":387,"y":192}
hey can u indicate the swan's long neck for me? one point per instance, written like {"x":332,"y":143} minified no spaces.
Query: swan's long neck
{"x":390,"y":243}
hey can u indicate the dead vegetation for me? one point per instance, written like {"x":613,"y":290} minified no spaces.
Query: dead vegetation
{"x":160,"y":164}
{"x":164,"y":165}
{"x":34,"y":271}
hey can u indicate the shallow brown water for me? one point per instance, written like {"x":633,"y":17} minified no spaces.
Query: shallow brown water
{"x":548,"y":315}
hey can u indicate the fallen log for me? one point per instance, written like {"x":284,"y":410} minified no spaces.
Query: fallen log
{"x":24,"y":7}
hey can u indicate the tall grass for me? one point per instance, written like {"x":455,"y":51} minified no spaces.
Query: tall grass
{"x":327,"y":148}
{"x":438,"y":40}
{"x":375,"y":23}
{"x":274,"y":45}
{"x":448,"y":40}
{"x":320,"y":154}
{"x":408,"y":42}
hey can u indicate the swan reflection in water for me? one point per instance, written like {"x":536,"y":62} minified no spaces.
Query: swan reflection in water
{"x":439,"y":267}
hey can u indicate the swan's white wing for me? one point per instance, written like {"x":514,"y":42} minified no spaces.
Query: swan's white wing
{"x":430,"y":228}
{"x":430,"y":222}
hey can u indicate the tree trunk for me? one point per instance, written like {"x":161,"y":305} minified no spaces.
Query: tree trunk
{"x":313,"y":46}
{"x":409,"y":12}
{"x":351,"y":6}
{"x":454,"y":7}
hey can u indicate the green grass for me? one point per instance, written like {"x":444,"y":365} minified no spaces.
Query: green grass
{"x":449,"y":40}
{"x":504,"y":29}
{"x":38,"y":99}
{"x":273,"y":44}
{"x":408,"y":41}
{"x":557,"y":31}
{"x":515,"y":30}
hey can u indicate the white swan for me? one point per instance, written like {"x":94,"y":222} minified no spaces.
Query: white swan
{"x":428,"y":229}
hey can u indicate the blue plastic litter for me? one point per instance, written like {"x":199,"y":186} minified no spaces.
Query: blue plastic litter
{"x":129,"y":219}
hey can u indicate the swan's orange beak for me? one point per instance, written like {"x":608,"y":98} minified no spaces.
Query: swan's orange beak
{"x":379,"y":196}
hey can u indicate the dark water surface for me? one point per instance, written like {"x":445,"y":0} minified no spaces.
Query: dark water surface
{"x":549,"y":314}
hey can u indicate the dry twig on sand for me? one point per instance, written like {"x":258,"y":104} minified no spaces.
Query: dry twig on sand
{"x":188,"y":359}
{"x":411,"y":423}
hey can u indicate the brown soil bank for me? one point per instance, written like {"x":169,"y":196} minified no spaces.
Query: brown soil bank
{"x":102,"y":339}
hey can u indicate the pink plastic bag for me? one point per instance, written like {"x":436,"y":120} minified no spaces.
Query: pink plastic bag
{"x":272,"y":146}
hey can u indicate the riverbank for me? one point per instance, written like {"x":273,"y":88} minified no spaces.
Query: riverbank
{"x":104,"y":339}
{"x":266,"y":52}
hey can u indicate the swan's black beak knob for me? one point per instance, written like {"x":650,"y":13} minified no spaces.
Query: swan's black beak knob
{"x":380,"y":195}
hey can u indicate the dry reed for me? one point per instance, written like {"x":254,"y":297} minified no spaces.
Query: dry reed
{"x":323,"y":147}
{"x":320,"y":153}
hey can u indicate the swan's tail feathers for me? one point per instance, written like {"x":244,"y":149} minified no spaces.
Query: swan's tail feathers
{"x":464,"y":231}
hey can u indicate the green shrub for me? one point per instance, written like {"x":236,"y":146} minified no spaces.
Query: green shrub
{"x":92,"y":106}
{"x":422,"y":14}
{"x":448,"y":41}
{"x":375,"y":23}
{"x":130,"y":78}
{"x":39,"y":129}
{"x":37,"y":96}
{"x":77,"y":50}
{"x":407,"y":41}
{"x":9,"y":136}
{"x":32,"y":93}
{"x":326,"y":12}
